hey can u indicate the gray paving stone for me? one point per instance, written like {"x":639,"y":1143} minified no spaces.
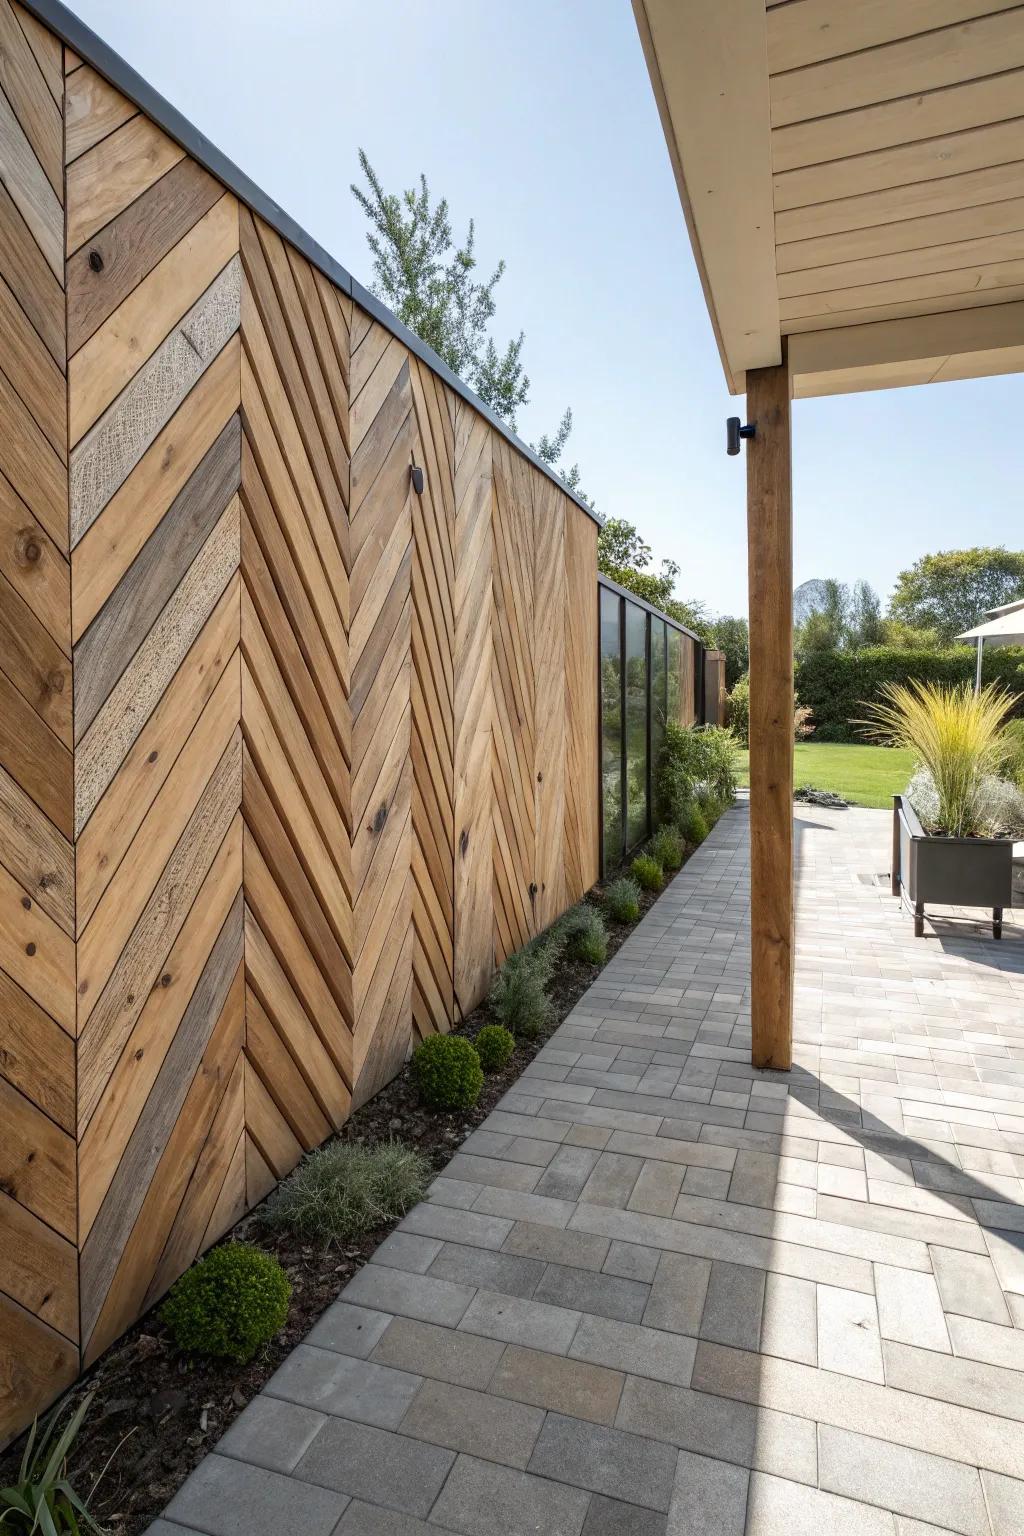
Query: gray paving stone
{"x":907,"y":1482}
{"x":333,"y":1383}
{"x":433,"y":1301}
{"x":349,"y":1329}
{"x":521,"y":1322}
{"x":612,"y":1180}
{"x":443,"y":1354}
{"x":373,"y":1465}
{"x":967,"y":1283}
{"x":476,"y":1422}
{"x":789,"y":1322}
{"x":567,"y":1172}
{"x":848,"y":1339}
{"x":492,"y":1171}
{"x":712,"y":1183}
{"x":657,"y":1188}
{"x":580,"y":1250}
{"x":602,"y":1294}
{"x":457,"y":1226}
{"x":229,"y":1498}
{"x":608,"y":1461}
{"x":481,"y":1499}
{"x":632,"y":1261}
{"x":406,"y":1250}
{"x":550,"y":1381}
{"x":633,"y":1347}
{"x":732,"y":1310}
{"x":909,"y":1308}
{"x":777,"y":1507}
{"x":610,"y":1517}
{"x":1005,"y":1497}
{"x":362,"y":1519}
{"x":715,"y":1426}
{"x":709,"y":1497}
{"x":971,"y":1383}
{"x":506,"y":1272}
{"x":678,"y":1293}
{"x":271,"y":1433}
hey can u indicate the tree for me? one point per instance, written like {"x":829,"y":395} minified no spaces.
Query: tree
{"x":836,"y":617}
{"x":624,"y":556}
{"x":864,"y":615}
{"x":431,"y":285}
{"x":949,"y":592}
{"x":732,"y":637}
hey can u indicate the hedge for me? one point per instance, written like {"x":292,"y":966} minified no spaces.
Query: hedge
{"x":837,"y":684}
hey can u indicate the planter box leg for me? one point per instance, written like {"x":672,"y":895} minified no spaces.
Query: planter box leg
{"x":919,"y":920}
{"x":997,"y":922}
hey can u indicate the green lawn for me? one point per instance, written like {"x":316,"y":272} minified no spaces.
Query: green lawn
{"x":861,"y":774}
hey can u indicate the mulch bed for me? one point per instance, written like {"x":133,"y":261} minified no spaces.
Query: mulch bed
{"x":155,"y":1414}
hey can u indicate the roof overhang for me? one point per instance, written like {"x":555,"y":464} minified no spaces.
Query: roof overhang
{"x":852,"y":178}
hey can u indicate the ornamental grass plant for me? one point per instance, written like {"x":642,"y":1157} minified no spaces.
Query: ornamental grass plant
{"x":958,"y":735}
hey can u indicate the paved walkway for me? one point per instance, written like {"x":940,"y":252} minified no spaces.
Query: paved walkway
{"x":659,"y":1292}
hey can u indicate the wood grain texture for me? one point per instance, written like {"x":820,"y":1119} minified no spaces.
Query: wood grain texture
{"x":101,"y":183}
{"x":581,"y":836}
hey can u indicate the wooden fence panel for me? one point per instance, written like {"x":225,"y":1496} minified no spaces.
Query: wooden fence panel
{"x":581,"y":835}
{"x":549,"y":649}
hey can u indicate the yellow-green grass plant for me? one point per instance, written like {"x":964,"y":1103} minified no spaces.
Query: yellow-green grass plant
{"x":956,"y":734}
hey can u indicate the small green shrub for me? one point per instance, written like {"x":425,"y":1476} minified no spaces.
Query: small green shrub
{"x":447,"y":1072}
{"x":667,"y":847}
{"x":42,"y":1499}
{"x":227,"y":1305}
{"x":519,"y":999}
{"x":739,"y":710}
{"x":494,"y":1046}
{"x":693,"y":824}
{"x":1014,"y":737}
{"x":692,"y":756}
{"x":647,"y":872}
{"x":622,"y":899}
{"x":587,"y":935}
{"x":342,"y":1190}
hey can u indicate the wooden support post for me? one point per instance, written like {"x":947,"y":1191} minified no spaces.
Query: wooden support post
{"x":770,"y":565}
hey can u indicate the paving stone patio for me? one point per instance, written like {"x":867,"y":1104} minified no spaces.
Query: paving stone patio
{"x":659,"y":1292}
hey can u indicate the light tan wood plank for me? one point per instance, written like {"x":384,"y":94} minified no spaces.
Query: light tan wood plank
{"x":32,"y":372}
{"x":32,"y":754}
{"x":919,"y":262}
{"x":38,"y":1056}
{"x":34,"y":662}
{"x":36,"y":854}
{"x":25,"y":87}
{"x":92,"y":110}
{"x":36,"y":1364}
{"x":809,"y":31}
{"x":38,"y":1268}
{"x":886,"y":211}
{"x":25,"y":269}
{"x":993,"y":281}
{"x":35,"y":952}
{"x":37,"y":1162}
{"x":47,"y":49}
{"x":34,"y":469}
{"x":113,"y":174}
{"x":26,"y":182}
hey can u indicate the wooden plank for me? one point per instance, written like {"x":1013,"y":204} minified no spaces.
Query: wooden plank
{"x":110,"y":450}
{"x":113,"y":174}
{"x":582,"y":843}
{"x":128,"y":1290}
{"x":770,"y":566}
{"x":35,"y":952}
{"x":888,"y":210}
{"x":991,"y":283}
{"x":31,"y":192}
{"x":36,"y":1364}
{"x":104,"y":1138}
{"x":267,"y":982}
{"x":37,"y":1162}
{"x":25,"y":87}
{"x":911,"y":66}
{"x":37,"y":1055}
{"x":106,"y":551}
{"x":132,"y":245}
{"x":113,"y":1016}
{"x":38,"y":1268}
{"x":48,"y":51}
{"x":211,"y":665}
{"x":110,"y":1231}
{"x":32,"y":372}
{"x":36,"y":854}
{"x":259,"y":1180}
{"x":32,"y":754}
{"x":35,"y":470}
{"x":102,"y":940}
{"x":549,"y":645}
{"x":33,"y":283}
{"x":114,"y":636}
{"x":898,"y":123}
{"x":266,"y":1053}
{"x":101,"y":368}
{"x":809,"y":31}
{"x":92,"y":110}
{"x":917,"y":262}
{"x":230,"y":1204}
{"x":268,"y":1127}
{"x":473,"y":707}
{"x":34,"y":662}
{"x":142,"y":684}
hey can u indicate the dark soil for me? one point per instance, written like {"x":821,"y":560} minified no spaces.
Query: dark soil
{"x":155,"y":1413}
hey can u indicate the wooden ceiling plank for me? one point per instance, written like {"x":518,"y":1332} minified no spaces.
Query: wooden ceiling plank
{"x":893,"y":207}
{"x":809,"y":31}
{"x":957,"y":255}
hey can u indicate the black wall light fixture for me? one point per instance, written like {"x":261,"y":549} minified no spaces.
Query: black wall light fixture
{"x":417,"y":479}
{"x":733,"y":433}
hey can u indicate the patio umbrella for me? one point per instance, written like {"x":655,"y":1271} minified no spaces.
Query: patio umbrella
{"x":1005,"y":626}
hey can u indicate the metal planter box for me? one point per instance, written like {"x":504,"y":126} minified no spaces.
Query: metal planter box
{"x":952,"y":871}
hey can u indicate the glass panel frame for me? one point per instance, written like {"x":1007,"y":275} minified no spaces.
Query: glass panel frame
{"x":636,"y":724}
{"x":611,"y":768}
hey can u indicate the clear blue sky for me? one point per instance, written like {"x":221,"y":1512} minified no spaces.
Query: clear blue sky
{"x":538,"y":120}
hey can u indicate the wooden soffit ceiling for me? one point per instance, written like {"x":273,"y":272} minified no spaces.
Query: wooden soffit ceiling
{"x":852,"y":176}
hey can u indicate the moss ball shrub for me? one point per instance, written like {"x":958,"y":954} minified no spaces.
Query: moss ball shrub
{"x":229,"y":1304}
{"x":647,"y":872}
{"x":342,"y":1190}
{"x":447,"y":1072}
{"x":519,"y":999}
{"x":622,"y":900}
{"x":668,"y":848}
{"x":693,"y":824}
{"x":494,"y":1046}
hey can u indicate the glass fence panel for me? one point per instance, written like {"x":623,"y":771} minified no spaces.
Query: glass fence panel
{"x":611,"y":728}
{"x":659,"y":701}
{"x":636,"y":724}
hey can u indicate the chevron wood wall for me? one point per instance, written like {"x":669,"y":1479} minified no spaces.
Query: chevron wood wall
{"x":292,"y":754}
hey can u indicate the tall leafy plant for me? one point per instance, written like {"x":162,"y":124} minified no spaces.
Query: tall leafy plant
{"x":956,"y":734}
{"x":42,"y":1500}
